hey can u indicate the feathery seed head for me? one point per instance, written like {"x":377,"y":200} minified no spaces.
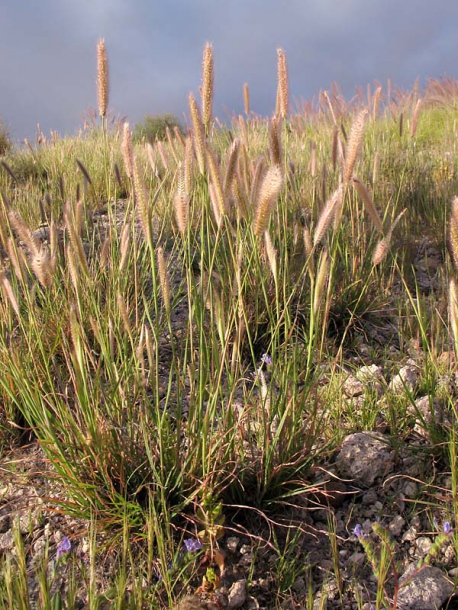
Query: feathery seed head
{"x":354,"y":144}
{"x":275,"y":141}
{"x":453,"y":234}
{"x":246,"y":98}
{"x":283,"y":85}
{"x":327,"y":214}
{"x":197,"y":133}
{"x":268,"y":193}
{"x":102,"y":78}
{"x":207,"y":87}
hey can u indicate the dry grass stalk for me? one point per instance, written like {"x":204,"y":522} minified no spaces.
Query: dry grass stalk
{"x":197,"y":133}
{"x":17,"y":261}
{"x":207,"y":87}
{"x":72,"y":267}
{"x":321,"y":276}
{"x":243,"y":167}
{"x":125,"y":246}
{"x":231,"y":167}
{"x":375,"y":167}
{"x":243,"y":131}
{"x":327,"y":214}
{"x":334,"y":146}
{"x":368,"y":202}
{"x":275,"y":141}
{"x":415,"y":116}
{"x":23,"y":232}
{"x":376,"y":102}
{"x":268,"y":193}
{"x":102,"y":78}
{"x":181,"y":203}
{"x":258,"y":175}
{"x":271,"y":254}
{"x":40,"y":264}
{"x":453,"y":311}
{"x":401,"y":124}
{"x":127,"y":150}
{"x":178,"y":135}
{"x":383,"y":246}
{"x":354,"y":144}
{"x":218,"y":199}
{"x":313,"y":159}
{"x":283,"y":84}
{"x":240,"y":197}
{"x":453,"y":234}
{"x":152,"y":160}
{"x":188,"y":164}
{"x":8,"y":293}
{"x":122,"y":308}
{"x":141,"y":202}
{"x":84,"y":171}
{"x":105,"y":252}
{"x":214,"y":196}
{"x":8,"y":170}
{"x":381,"y":250}
{"x":163,"y":154}
{"x":331,"y":109}
{"x":163,"y":278}
{"x":73,"y":226}
{"x":171,"y":142}
{"x":246,"y":99}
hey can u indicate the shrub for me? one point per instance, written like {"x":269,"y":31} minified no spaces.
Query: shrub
{"x":5,"y":141}
{"x":153,"y":128}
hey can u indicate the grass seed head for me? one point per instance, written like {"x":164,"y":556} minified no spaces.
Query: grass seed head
{"x":268,"y":193}
{"x":102,"y":78}
{"x":197,"y":132}
{"x":355,"y":141}
{"x":246,"y":98}
{"x":207,"y":87}
{"x":283,"y":84}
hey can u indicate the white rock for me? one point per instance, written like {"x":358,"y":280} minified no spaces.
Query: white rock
{"x":425,"y":589}
{"x":364,"y":457}
{"x":237,"y":594}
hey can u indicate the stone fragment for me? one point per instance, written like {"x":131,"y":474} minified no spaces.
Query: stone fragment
{"x":406,"y":379}
{"x":425,"y":588}
{"x":237,"y":594}
{"x":364,"y":457}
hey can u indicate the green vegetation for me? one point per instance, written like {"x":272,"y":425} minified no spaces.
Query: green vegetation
{"x":154,"y":128}
{"x":169,"y":313}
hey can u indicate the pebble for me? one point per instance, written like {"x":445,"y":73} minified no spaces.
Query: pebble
{"x":423,"y":545}
{"x":396,"y":525}
{"x":237,"y":594}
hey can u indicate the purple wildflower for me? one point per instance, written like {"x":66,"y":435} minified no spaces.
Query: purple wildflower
{"x":447,"y":528}
{"x":192,"y":545}
{"x":266,"y":359}
{"x":64,"y":546}
{"x":358,"y":531}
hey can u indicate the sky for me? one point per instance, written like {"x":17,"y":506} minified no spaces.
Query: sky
{"x":48,"y":62}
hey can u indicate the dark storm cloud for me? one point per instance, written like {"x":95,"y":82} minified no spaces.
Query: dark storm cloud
{"x":47,"y":52}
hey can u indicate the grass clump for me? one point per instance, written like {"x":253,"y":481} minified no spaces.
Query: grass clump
{"x":169,"y":303}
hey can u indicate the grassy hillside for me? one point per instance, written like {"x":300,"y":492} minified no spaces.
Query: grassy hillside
{"x":177,"y":318}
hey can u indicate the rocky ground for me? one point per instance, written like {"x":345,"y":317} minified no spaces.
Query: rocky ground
{"x":400,"y":485}
{"x":370,"y":480}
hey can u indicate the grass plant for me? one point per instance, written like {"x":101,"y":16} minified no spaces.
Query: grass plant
{"x":167,"y":310}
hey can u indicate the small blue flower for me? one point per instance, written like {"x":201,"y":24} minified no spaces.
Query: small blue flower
{"x":358,"y":531}
{"x":447,"y":528}
{"x":266,"y":359}
{"x":64,"y":546}
{"x":192,"y":545}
